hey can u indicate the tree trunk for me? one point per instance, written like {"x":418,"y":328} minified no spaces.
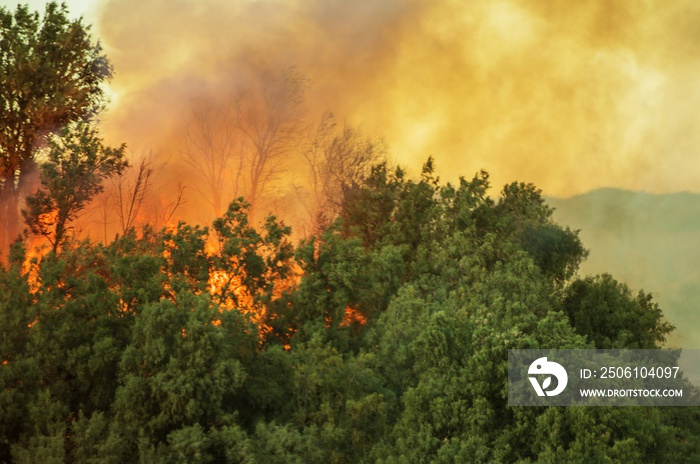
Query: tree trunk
{"x":10,"y":199}
{"x":9,"y":212}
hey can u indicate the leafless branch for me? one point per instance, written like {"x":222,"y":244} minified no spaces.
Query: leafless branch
{"x":172,"y":207}
{"x":130,"y":195}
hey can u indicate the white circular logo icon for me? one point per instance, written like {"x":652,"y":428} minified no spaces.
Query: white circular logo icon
{"x":543,"y":367}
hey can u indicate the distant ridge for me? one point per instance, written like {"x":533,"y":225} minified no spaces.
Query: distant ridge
{"x":602,"y":207}
{"x":650,"y":241}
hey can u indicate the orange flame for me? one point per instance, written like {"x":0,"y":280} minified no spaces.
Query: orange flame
{"x":35,"y":252}
{"x":353,"y":316}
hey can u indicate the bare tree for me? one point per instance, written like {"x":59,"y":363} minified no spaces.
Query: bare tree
{"x":337,"y":158}
{"x":270,"y":122}
{"x":105,"y":203}
{"x":171,"y":208}
{"x":239,"y":149}
{"x":129,"y":195}
{"x":212,"y":144}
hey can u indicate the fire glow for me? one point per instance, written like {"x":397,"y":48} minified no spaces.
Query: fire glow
{"x":570,"y":97}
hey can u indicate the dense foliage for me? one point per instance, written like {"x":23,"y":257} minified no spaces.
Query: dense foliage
{"x":382,"y":339}
{"x":51,"y":74}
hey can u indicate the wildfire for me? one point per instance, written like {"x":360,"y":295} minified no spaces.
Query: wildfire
{"x":353,"y":316}
{"x":34,"y":254}
{"x":231,"y":295}
{"x":217,"y":281}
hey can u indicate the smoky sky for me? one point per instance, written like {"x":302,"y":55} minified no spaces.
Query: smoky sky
{"x":571,"y":96}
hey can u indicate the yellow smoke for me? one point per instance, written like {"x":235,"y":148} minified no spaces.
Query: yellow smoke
{"x":569,"y":95}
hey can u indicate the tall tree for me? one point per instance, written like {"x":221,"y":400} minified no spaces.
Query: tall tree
{"x":51,"y":73}
{"x":337,"y":159}
{"x":212,"y":147}
{"x":269,"y":120}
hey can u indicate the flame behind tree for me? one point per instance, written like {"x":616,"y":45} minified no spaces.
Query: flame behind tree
{"x":127,"y":350}
{"x":50,"y":74}
{"x":253,"y":262}
{"x":132,"y":199}
{"x":76,"y":166}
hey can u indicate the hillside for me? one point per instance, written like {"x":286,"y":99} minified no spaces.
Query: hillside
{"x":649,"y":241}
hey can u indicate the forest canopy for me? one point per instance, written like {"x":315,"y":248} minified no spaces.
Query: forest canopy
{"x":381,"y":337}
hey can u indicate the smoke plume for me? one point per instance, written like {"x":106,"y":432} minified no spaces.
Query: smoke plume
{"x":570,"y":96}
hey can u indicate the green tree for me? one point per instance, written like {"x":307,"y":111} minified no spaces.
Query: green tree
{"x":523,"y":214}
{"x":179,"y":378}
{"x":368,"y":205}
{"x":19,"y":375}
{"x":253,"y":263}
{"x":76,"y":165}
{"x":606,"y":311}
{"x":51,"y":73}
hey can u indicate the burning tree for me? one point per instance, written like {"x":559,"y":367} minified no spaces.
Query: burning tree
{"x":269,"y":122}
{"x":239,"y":148}
{"x":51,"y":73}
{"x":337,"y":159}
{"x":76,"y":166}
{"x":129,"y":196}
{"x":212,"y":144}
